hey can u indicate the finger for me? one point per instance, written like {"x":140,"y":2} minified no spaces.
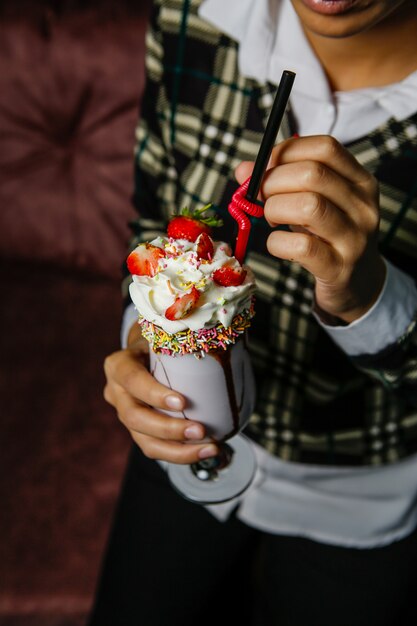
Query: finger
{"x":313,"y":212}
{"x":173,"y":452}
{"x":322,"y":149}
{"x":124,"y":369}
{"x":143,"y":419}
{"x":243,"y":171}
{"x":314,"y":177}
{"x":314,"y":254}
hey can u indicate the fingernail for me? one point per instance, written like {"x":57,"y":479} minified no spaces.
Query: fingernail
{"x":193,"y":432}
{"x":207,"y":452}
{"x":173,"y":402}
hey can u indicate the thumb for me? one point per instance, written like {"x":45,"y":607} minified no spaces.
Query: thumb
{"x":243,"y":171}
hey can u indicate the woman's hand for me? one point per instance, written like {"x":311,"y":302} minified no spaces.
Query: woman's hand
{"x":330,"y":202}
{"x":137,"y":396}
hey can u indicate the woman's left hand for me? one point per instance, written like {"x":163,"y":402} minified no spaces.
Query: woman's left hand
{"x":314,"y":185}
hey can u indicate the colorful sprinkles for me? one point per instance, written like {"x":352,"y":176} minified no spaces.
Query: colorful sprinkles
{"x":197,"y":342}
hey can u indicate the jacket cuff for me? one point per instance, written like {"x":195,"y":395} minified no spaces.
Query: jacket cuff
{"x":385,"y":322}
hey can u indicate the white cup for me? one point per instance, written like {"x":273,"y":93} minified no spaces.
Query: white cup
{"x":219,"y":388}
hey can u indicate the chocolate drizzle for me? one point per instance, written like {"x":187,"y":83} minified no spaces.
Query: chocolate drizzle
{"x":223,"y":357}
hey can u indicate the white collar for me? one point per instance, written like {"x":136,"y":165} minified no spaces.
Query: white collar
{"x":271,"y":39}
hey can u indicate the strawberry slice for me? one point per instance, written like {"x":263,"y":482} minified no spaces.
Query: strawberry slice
{"x":183,"y":305}
{"x":205,"y":248}
{"x":143,"y":261}
{"x":227,"y":276}
{"x":190,"y":224}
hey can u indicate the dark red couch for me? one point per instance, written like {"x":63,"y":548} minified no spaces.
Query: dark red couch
{"x":70,"y":84}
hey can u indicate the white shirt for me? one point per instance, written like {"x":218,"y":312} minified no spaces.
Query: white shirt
{"x":353,"y":507}
{"x":271,"y":39}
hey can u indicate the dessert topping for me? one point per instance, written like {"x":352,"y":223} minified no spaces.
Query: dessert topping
{"x":205,"y":248}
{"x":144,"y":260}
{"x":228,"y":276}
{"x":190,"y":224}
{"x":183,"y":305}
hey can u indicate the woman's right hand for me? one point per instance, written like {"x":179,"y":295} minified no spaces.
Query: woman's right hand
{"x":137,"y":396}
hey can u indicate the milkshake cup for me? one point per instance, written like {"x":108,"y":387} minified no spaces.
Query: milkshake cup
{"x":195,"y":305}
{"x":219,"y":388}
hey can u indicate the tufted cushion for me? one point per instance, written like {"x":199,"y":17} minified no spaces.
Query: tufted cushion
{"x":68,"y":106}
{"x":61,"y":466}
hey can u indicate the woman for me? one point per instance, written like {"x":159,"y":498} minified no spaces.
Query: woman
{"x":326,"y":535}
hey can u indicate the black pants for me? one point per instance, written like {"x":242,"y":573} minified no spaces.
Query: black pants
{"x":170,"y":563}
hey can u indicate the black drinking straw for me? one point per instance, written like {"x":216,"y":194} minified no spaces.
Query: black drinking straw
{"x":270,"y":135}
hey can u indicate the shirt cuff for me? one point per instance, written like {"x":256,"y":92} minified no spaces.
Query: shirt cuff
{"x":386,"y":320}
{"x":130,"y":316}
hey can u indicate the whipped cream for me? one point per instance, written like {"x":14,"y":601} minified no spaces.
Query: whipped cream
{"x":177,"y":272}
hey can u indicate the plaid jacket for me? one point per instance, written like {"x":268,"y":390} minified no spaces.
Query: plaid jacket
{"x":200,"y":118}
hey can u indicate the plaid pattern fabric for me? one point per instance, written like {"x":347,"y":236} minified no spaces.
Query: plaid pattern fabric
{"x":200,"y":118}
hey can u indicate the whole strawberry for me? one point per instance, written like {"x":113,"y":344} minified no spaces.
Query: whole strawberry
{"x":190,"y":224}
